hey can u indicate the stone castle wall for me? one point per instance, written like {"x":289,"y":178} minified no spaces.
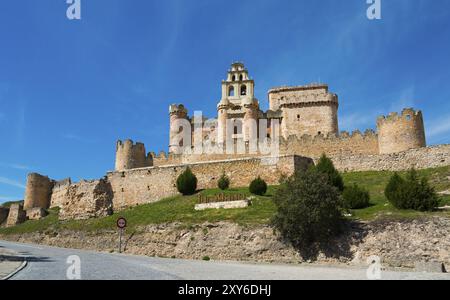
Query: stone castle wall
{"x":16,"y":215}
{"x":122,"y":189}
{"x":147,"y":185}
{"x":356,"y":143}
{"x":87,"y":199}
{"x":4,"y":211}
{"x":59,"y":192}
{"x":421,"y":158}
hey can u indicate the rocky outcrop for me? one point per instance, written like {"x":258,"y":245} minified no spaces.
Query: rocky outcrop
{"x":36,"y":213}
{"x":404,"y":244}
{"x":398,"y":244}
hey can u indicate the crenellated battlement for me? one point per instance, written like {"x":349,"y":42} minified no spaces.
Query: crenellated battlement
{"x":407,"y":114}
{"x":311,"y":86}
{"x":401,"y":132}
{"x":130,"y":155}
{"x":178,"y":109}
{"x":38,"y":191}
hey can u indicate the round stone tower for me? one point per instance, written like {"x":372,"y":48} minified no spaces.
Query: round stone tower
{"x":38,"y":191}
{"x":131,"y":156}
{"x":397,"y":133}
{"x":176,"y":112}
{"x":222,"y":116}
{"x":250,"y":125}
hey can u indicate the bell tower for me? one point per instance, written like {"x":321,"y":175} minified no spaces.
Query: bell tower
{"x":238,"y":102}
{"x":238,"y":86}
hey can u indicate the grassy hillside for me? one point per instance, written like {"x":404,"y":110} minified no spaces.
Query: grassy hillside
{"x":181,"y":209}
{"x":9,"y":203}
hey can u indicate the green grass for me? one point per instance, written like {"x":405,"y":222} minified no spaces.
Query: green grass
{"x":375,"y":182}
{"x":180,"y":209}
{"x":8,"y":204}
{"x":177,"y":209}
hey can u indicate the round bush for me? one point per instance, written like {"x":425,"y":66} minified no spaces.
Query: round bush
{"x":224,"y":182}
{"x":326,"y":166}
{"x":187,"y":182}
{"x":393,"y":188}
{"x":355,"y":197}
{"x":412,"y":192}
{"x":258,"y":187}
{"x":308,"y":210}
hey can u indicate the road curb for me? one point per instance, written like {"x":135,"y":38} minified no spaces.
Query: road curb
{"x":20,"y":268}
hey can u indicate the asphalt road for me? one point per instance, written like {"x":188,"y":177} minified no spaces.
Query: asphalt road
{"x":51,"y":263}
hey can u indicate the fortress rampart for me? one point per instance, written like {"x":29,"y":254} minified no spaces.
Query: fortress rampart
{"x":122,"y":189}
{"x":309,"y":146}
{"x":146,"y":185}
{"x":308,"y":121}
{"x":38,"y":191}
{"x":400,"y":132}
{"x":131,"y":156}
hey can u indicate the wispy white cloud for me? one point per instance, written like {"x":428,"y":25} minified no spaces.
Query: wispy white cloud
{"x":15,"y":166}
{"x":438,"y":130}
{"x":355,"y":121}
{"x":11,"y":182}
{"x":9,"y":198}
{"x":406,"y":98}
{"x":76,"y":138}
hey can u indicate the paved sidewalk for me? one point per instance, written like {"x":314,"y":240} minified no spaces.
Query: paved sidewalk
{"x":9,"y":262}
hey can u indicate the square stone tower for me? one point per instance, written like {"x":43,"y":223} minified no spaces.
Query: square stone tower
{"x":306,"y":110}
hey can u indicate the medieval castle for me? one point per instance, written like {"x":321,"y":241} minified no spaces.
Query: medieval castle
{"x":307,"y":119}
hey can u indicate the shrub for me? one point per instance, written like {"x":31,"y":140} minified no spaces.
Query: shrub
{"x":355,"y":197}
{"x":258,"y":187}
{"x":326,"y":166}
{"x":393,"y":187}
{"x":412,"y":192}
{"x":187,"y":182}
{"x":308,"y":209}
{"x":224,"y":182}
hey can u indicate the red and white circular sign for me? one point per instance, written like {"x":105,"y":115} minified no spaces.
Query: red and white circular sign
{"x":121,"y":223}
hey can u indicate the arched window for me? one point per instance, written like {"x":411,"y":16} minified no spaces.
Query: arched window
{"x":231,"y":91}
{"x":241,"y":77}
{"x":233,"y":78}
{"x":243,"y":90}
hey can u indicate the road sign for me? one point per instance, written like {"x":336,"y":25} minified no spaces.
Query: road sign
{"x":121,"y":223}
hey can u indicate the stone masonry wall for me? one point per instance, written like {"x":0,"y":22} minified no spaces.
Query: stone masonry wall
{"x":16,"y":215}
{"x":148,"y":185}
{"x":4,"y":211}
{"x":356,"y":143}
{"x":422,"y":158}
{"x":87,"y":199}
{"x":38,"y":191}
{"x":60,"y":192}
{"x":400,"y":132}
{"x":345,"y":144}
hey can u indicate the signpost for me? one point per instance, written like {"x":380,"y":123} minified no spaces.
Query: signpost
{"x":121,"y":224}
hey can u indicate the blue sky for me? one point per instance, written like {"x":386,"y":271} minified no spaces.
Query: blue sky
{"x":70,"y":89}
